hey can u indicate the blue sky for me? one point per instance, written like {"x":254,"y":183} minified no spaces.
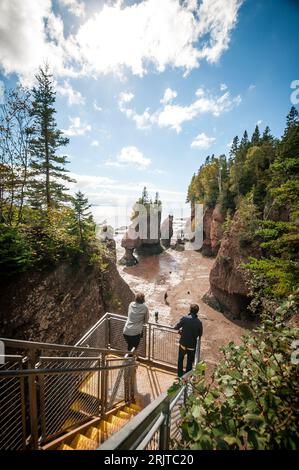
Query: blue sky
{"x":147,"y":89}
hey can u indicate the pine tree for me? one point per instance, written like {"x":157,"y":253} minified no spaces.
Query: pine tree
{"x":292,"y":119}
{"x":84,"y":225}
{"x":48,"y":167}
{"x":267,"y":137}
{"x":234,"y":148}
{"x":244,"y":140}
{"x":256,"y":136}
{"x":144,"y":197}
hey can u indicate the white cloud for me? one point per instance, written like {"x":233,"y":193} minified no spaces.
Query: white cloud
{"x":76,"y":7}
{"x":252,"y":87}
{"x":259,"y":122}
{"x":73,"y":96}
{"x":202,"y":141}
{"x":30,"y":36}
{"x":175,"y":115}
{"x":96,"y":106}
{"x":223,"y":87}
{"x":164,"y":34}
{"x":77,"y":128}
{"x":169,"y":95}
{"x":125,"y":97}
{"x":130,"y":156}
{"x":95,"y":143}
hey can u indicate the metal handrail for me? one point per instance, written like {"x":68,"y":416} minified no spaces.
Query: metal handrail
{"x":137,"y":434}
{"x":29,"y":345}
{"x":29,"y":372}
{"x":133,"y":433}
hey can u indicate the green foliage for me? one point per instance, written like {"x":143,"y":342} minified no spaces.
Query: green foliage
{"x":83,"y":226}
{"x":261,"y":182}
{"x":252,"y":401}
{"x":15,"y":252}
{"x":249,"y":217}
{"x":38,"y":228}
{"x":46,"y":189}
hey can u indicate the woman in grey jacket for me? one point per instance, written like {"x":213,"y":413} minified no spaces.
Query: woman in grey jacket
{"x":137,"y":315}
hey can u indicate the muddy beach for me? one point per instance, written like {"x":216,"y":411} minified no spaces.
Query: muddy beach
{"x":184,"y":277}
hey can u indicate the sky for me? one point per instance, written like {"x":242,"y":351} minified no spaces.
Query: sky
{"x":147,"y":89}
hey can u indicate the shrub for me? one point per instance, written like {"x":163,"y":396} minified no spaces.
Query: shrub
{"x":253,"y":399}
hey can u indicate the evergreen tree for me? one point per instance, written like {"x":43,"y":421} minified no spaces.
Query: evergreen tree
{"x":84,"y":225}
{"x":48,"y":167}
{"x":267,"y":137}
{"x":234,"y":148}
{"x":244,"y":140}
{"x":144,"y":197}
{"x":292,"y":119}
{"x":256,"y":136}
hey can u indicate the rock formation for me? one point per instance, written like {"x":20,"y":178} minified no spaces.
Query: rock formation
{"x":146,"y":242}
{"x":229,"y":281}
{"x":150,"y":240}
{"x":212,"y":230}
{"x":167,"y":231}
{"x":130,"y":242}
{"x":59,"y":305}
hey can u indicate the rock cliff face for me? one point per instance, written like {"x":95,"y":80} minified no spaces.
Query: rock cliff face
{"x":212,"y":230}
{"x":229,"y":281}
{"x":60,"y":305}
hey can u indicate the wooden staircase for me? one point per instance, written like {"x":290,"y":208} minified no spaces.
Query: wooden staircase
{"x":91,"y":436}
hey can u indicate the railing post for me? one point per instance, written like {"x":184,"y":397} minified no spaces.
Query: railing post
{"x":108,"y":331}
{"x":99,"y":384}
{"x":103,"y":386}
{"x":165,"y":428}
{"x":197,"y":352}
{"x":132,"y":380}
{"x":23,"y":401}
{"x":149,"y":341}
{"x":33,"y":402}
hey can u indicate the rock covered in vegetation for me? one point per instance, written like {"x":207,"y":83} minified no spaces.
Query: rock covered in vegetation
{"x":229,"y":280}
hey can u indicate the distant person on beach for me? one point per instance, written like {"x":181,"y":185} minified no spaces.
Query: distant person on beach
{"x":138,"y":315}
{"x":190,"y":328}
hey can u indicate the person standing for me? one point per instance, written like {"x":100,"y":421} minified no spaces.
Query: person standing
{"x":190,"y":328}
{"x":138,"y":315}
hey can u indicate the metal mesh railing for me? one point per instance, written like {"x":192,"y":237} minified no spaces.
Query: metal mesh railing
{"x":70,"y":398}
{"x":116,"y":338}
{"x":12,"y":407}
{"x":55,"y":393}
{"x":97,"y":336}
{"x":164,"y":343}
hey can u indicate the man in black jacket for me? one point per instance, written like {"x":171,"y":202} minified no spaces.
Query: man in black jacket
{"x":190,"y":328}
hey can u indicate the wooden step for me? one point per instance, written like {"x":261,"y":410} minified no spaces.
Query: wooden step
{"x":123,"y":415}
{"x":81,"y":442}
{"x":64,"y":447}
{"x":95,"y":434}
{"x":135,"y":407}
{"x":90,"y":386}
{"x":130,"y":411}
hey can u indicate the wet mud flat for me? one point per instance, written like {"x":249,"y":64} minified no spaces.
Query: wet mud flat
{"x":183,"y":278}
